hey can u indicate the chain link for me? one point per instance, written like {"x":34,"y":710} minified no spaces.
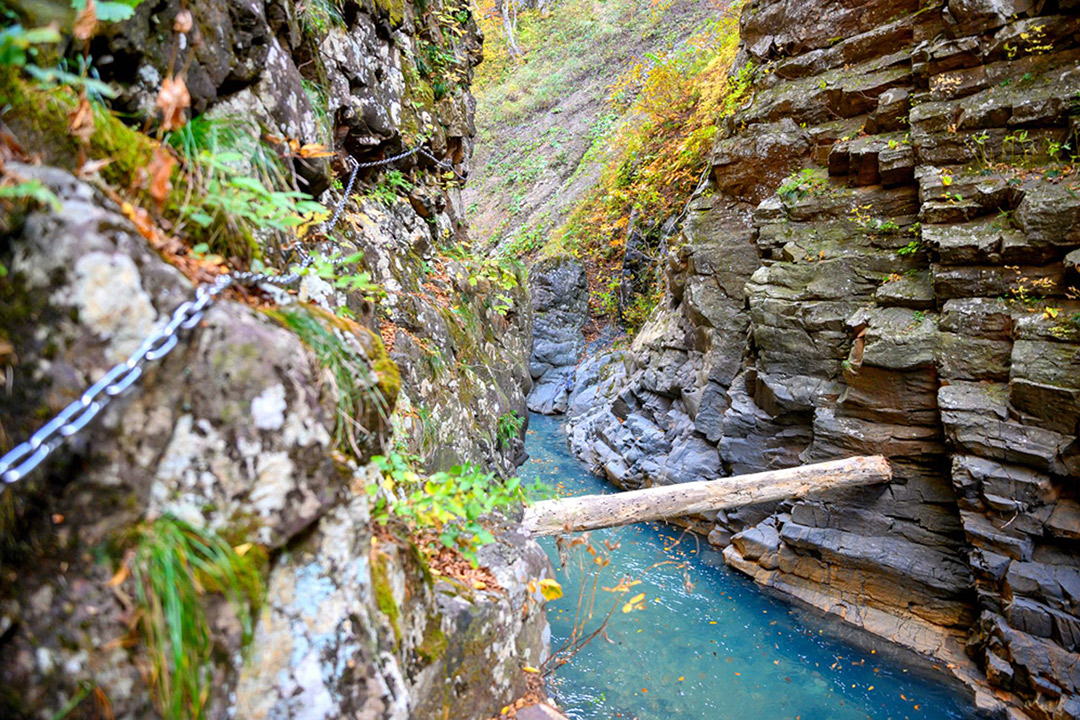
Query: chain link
{"x":445,"y":164}
{"x":23,"y":458}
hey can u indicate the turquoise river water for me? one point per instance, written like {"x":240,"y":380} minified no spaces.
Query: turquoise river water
{"x":720,"y":647}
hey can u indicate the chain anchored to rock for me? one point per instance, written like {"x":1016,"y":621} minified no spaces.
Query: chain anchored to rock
{"x":23,"y":458}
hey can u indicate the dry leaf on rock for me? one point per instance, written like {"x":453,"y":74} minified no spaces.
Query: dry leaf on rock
{"x":81,"y":121}
{"x":85,"y":22}
{"x":90,"y":168}
{"x":315,"y":150}
{"x":173,"y":99}
{"x":160,"y":170}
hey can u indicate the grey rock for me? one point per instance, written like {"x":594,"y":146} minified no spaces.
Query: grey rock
{"x":560,"y":309}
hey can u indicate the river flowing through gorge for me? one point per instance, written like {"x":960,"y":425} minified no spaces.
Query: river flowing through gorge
{"x":725,"y":649}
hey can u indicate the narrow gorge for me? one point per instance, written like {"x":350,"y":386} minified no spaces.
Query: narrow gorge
{"x":883,"y":260}
{"x":281,"y":284}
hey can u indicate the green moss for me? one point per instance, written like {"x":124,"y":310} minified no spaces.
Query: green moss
{"x":419,"y":98}
{"x":384,"y":594}
{"x":394,"y":9}
{"x":386,"y":370}
{"x":39,"y":118}
{"x":434,"y":644}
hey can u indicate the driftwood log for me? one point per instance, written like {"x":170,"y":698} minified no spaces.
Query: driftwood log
{"x":589,"y":512}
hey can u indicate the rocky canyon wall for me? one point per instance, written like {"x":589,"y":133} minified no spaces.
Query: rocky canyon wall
{"x":885,"y":260}
{"x":246,"y":429}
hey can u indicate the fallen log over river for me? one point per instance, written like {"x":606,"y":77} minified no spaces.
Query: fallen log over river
{"x":589,"y":512}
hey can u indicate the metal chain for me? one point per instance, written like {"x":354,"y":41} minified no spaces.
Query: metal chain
{"x":395,"y":158}
{"x":28,"y":455}
{"x":445,"y":164}
{"x":23,"y":458}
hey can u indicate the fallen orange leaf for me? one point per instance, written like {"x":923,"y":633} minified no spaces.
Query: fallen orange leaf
{"x":173,"y":99}
{"x":121,"y":575}
{"x":315,"y":150}
{"x":160,"y":170}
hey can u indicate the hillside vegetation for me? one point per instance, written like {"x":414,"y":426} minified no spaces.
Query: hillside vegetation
{"x":601,"y":126}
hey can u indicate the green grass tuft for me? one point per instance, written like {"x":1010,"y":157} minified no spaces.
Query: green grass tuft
{"x":174,"y":566}
{"x":363,"y":383}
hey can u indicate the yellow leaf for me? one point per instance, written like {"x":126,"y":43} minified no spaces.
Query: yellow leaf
{"x":634,"y":604}
{"x":120,"y":576}
{"x":1051,"y":312}
{"x":550,"y":589}
{"x":315,"y":150}
{"x":530,"y":669}
{"x":242,"y":550}
{"x":946,"y":180}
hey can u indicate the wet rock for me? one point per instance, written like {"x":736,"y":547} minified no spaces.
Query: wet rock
{"x":931,"y":342}
{"x":560,"y":309}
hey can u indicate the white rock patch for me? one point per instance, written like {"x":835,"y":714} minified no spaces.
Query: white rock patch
{"x":268,"y":409}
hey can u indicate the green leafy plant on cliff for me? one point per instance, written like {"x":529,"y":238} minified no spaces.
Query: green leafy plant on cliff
{"x":110,"y":11}
{"x":343,"y":273}
{"x":508,"y":427}
{"x":642,"y":304}
{"x":30,"y":190}
{"x":390,"y":187}
{"x":239,"y":193}
{"x":175,"y":567}
{"x":912,"y":248}
{"x":497,"y":277}
{"x":867,"y":222}
{"x":802,"y":183}
{"x":319,"y":16}
{"x":27,"y":50}
{"x":452,"y":504}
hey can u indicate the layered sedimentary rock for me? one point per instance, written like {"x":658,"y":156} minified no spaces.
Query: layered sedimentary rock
{"x":239,"y":430}
{"x":885,"y":263}
{"x":559,"y":311}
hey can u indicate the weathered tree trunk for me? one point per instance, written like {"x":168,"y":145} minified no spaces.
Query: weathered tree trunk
{"x":508,"y":10}
{"x":589,"y":512}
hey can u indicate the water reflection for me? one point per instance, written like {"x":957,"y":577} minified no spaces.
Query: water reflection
{"x":719,"y":648}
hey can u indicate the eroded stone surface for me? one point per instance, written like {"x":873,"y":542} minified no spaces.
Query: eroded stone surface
{"x":909,"y":304}
{"x":560,"y":309}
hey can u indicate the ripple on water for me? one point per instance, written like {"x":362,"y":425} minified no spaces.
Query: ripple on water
{"x":725,"y":649}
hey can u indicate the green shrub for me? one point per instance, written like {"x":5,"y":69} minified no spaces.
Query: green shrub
{"x":453,"y":504}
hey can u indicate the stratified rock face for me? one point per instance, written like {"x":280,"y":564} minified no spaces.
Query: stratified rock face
{"x":912,"y":292}
{"x":237,"y":430}
{"x":560,"y":308}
